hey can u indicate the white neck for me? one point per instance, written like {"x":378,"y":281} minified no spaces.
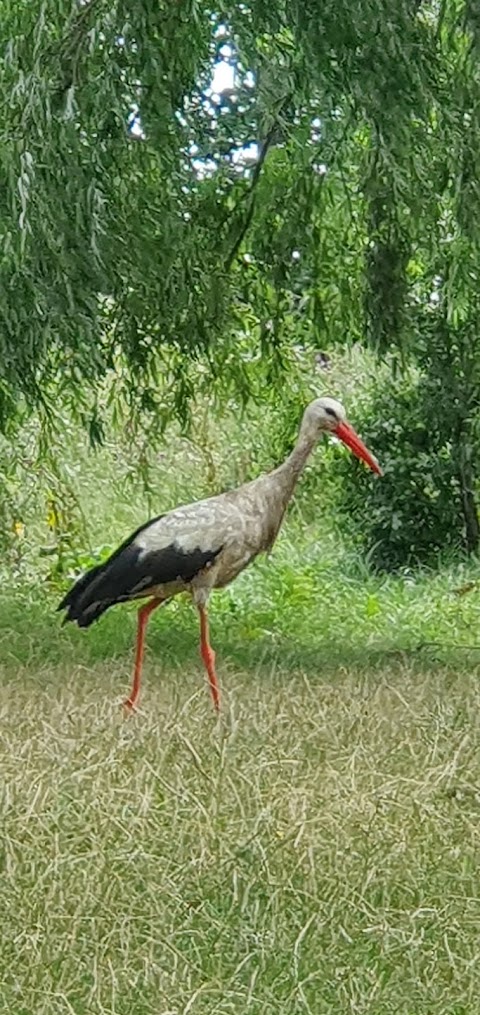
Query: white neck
{"x":275,"y":489}
{"x":291,"y":469}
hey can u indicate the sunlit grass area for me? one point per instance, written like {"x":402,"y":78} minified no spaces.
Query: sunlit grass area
{"x":312,"y":604}
{"x":314,"y":850}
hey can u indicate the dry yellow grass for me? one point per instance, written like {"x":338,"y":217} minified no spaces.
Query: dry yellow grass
{"x":316,"y":850}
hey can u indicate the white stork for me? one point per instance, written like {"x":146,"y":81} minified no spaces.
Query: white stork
{"x":205,"y":545}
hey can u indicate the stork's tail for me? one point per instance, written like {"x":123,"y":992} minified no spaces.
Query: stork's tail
{"x":81,"y":603}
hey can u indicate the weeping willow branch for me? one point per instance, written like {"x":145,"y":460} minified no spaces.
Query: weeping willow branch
{"x":251,"y":194}
{"x":72,"y":43}
{"x":251,"y":198}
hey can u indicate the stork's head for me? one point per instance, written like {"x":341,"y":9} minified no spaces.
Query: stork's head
{"x":326,"y":414}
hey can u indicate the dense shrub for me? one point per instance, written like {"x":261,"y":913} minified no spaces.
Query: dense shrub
{"x":418,"y":508}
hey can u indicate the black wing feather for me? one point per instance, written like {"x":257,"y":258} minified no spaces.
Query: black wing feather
{"x":129,"y":572}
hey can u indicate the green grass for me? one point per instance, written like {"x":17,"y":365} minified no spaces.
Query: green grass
{"x":314,"y":850}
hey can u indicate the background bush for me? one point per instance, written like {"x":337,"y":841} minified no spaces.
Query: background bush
{"x":416,"y":511}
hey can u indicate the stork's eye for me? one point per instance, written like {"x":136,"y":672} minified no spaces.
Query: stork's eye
{"x":330,"y":412}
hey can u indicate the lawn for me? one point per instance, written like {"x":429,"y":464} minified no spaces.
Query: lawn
{"x":316,"y":849}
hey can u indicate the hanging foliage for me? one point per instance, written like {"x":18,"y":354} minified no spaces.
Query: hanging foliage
{"x":150,"y":223}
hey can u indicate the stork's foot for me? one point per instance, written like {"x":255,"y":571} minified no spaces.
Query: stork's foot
{"x":129,"y":706}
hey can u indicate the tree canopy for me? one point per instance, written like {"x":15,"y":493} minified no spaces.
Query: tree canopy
{"x":148,"y":222}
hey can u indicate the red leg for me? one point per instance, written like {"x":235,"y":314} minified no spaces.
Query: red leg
{"x":208,"y":656}
{"x":142,"y":621}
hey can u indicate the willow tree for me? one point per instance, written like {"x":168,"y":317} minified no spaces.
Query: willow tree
{"x":148,"y":223}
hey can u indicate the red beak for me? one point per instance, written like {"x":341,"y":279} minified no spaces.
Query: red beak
{"x":347,"y":434}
